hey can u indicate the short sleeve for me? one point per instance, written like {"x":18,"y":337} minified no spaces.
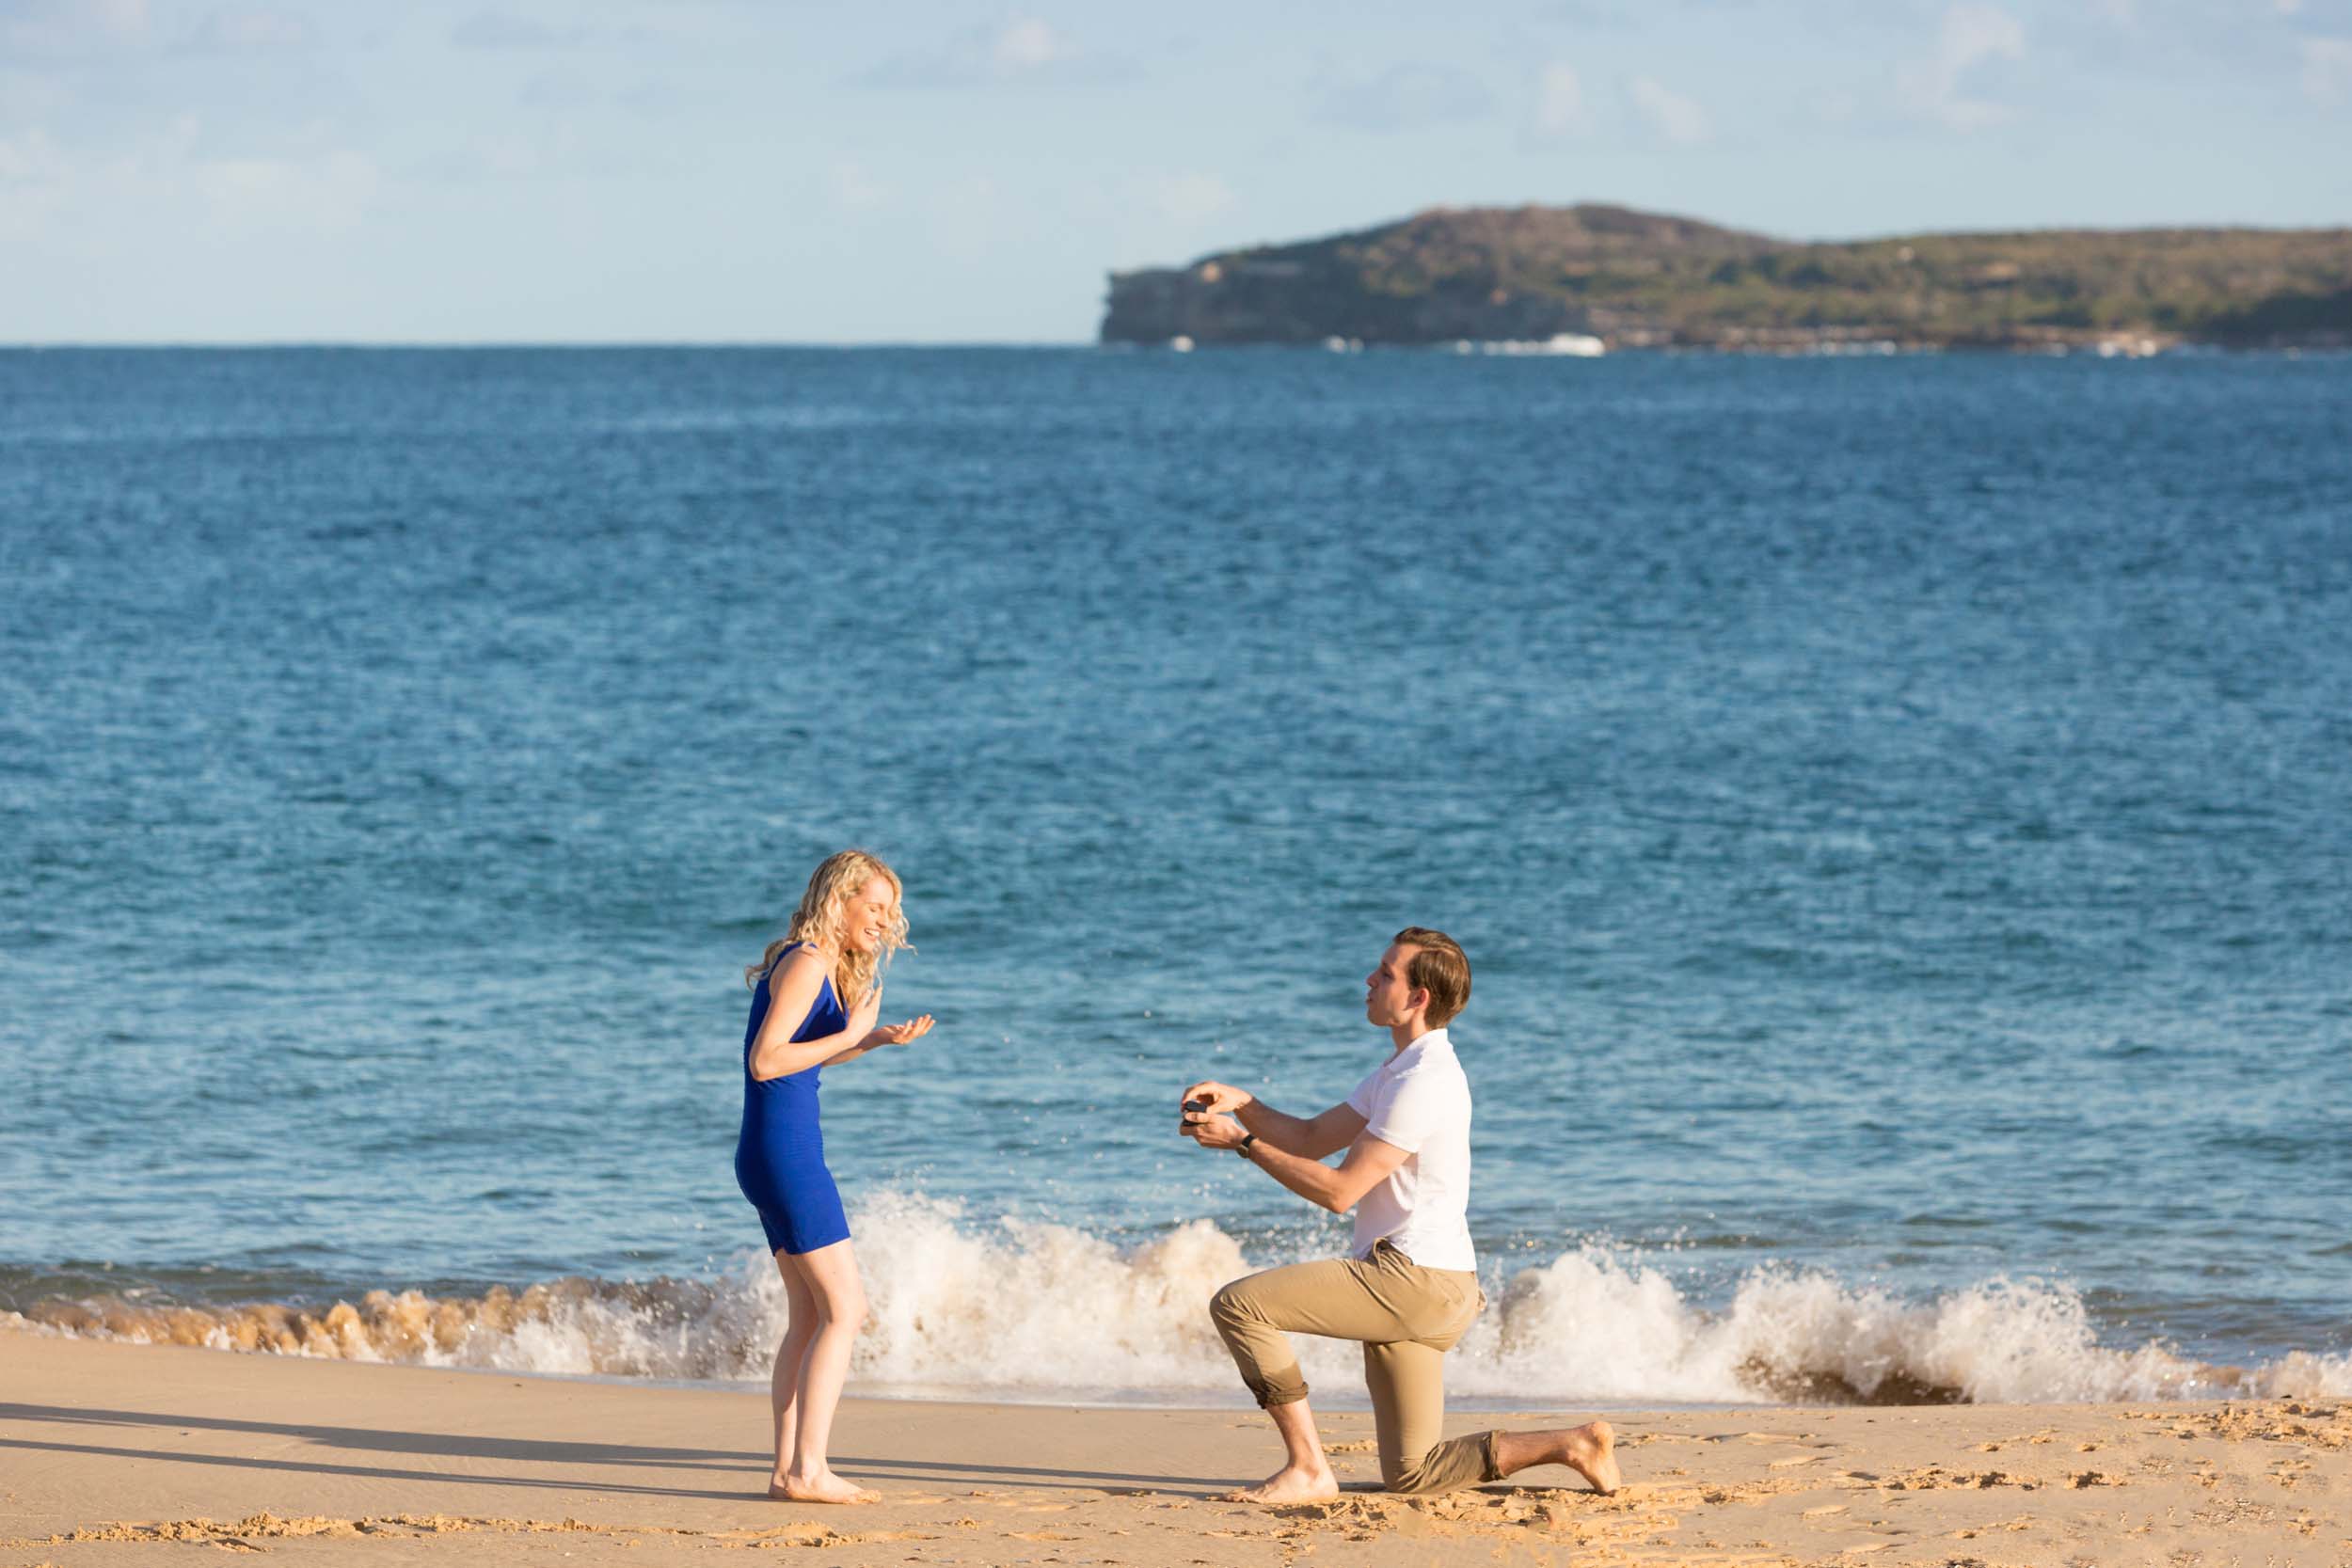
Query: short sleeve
{"x":1365,"y":1099}
{"x":1413,"y":1108}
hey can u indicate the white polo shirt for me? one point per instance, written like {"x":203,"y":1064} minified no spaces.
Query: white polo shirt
{"x":1419,"y":1100}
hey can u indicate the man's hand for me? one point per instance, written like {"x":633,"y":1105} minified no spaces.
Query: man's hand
{"x":1214,"y":1132}
{"x":1219,"y":1097}
{"x":900,"y":1033}
{"x":1206,"y":1098}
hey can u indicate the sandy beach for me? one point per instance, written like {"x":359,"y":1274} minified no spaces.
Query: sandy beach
{"x":123,"y":1453}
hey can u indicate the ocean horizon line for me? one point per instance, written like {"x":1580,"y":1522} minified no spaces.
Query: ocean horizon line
{"x":1859,"y":349}
{"x":71,"y":345}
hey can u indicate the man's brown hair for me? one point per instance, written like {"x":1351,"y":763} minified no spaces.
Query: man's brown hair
{"x":1440,"y":967}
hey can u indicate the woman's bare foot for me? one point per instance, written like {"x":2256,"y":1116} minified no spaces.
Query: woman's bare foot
{"x":1590,"y":1450}
{"x":1290,"y":1484}
{"x":823,"y":1488}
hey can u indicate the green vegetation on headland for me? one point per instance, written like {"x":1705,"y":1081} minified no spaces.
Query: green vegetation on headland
{"x":1642,"y":280}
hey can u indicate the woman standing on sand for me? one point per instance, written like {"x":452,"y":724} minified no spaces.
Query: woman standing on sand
{"x":815,"y":996}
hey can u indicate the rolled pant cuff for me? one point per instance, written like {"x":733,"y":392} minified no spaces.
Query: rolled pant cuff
{"x":1491,"y":1469}
{"x":1280,"y":1390}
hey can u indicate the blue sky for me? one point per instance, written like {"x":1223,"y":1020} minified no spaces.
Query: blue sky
{"x":626,"y":170}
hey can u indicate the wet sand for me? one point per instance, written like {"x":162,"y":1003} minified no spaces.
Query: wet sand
{"x":114,"y":1453}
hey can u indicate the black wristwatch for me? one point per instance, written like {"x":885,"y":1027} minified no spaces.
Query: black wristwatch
{"x":1242,"y":1148}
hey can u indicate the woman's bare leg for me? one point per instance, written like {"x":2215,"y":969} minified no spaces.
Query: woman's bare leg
{"x":784,"y":1382}
{"x":830,"y":1276}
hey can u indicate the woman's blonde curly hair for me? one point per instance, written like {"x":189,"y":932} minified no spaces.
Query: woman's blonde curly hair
{"x":856,"y":975}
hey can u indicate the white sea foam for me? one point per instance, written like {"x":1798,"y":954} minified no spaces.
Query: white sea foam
{"x":1046,"y":1311}
{"x":1587,"y":1325}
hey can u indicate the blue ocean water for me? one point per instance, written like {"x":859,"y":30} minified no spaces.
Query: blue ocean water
{"x":1898,"y":811}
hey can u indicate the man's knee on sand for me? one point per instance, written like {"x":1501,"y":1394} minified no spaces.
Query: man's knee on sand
{"x":1415,"y":1477}
{"x":1442,"y":1467}
{"x":1407,"y":1480}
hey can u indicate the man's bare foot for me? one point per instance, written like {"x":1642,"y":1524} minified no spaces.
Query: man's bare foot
{"x":1590,"y":1450}
{"x":823,"y":1488}
{"x":1290,"y":1484}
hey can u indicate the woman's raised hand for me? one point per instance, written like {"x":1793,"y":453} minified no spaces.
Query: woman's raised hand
{"x":901,"y":1034}
{"x":862,"y":1017}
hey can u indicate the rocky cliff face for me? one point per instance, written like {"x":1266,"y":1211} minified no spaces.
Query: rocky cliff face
{"x":1484,"y":274}
{"x":1640,"y":279}
{"x":1242,"y":301}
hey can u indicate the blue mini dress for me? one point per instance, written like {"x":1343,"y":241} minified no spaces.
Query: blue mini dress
{"x":779,"y":1154}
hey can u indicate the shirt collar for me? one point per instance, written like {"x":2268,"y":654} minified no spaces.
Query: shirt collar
{"x":1430,"y":1044}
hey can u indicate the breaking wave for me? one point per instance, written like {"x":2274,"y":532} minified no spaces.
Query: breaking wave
{"x":1048,"y":1312}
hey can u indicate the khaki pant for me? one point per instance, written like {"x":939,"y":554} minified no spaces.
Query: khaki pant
{"x":1407,"y":1318}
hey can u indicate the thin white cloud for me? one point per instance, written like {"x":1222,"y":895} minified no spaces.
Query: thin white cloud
{"x":1025,"y":49}
{"x":508,"y":30}
{"x":550,"y":152}
{"x":185,"y":196}
{"x":1559,"y":100}
{"x":1192,"y":199}
{"x":1028,"y":43}
{"x":74,"y":26}
{"x":855,"y":189}
{"x":1591,"y":14}
{"x":1838,"y":107}
{"x":251,"y":29}
{"x":93,"y":29}
{"x":30,"y":159}
{"x":2326,"y":68}
{"x":969,"y":218}
{"x":330,"y":194}
{"x":33,"y":185}
{"x":29,"y":97}
{"x":121,"y":18}
{"x":1676,"y":117}
{"x":1971,"y":36}
{"x":507,"y":157}
{"x":563,"y":89}
{"x":1407,"y":98}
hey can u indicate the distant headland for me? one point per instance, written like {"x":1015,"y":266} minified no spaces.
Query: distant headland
{"x":1586,"y":278}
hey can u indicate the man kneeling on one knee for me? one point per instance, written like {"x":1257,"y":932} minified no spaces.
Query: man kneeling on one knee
{"x":1408,"y":1288}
